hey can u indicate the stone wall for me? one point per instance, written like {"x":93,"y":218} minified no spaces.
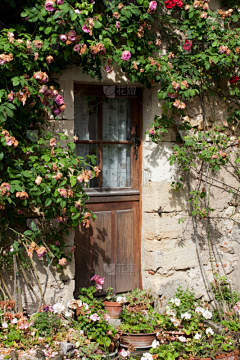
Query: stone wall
{"x":169,"y":256}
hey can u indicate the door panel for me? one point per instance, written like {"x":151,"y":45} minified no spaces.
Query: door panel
{"x":109,"y":247}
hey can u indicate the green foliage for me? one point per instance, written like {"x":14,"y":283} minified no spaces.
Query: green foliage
{"x":47,"y":323}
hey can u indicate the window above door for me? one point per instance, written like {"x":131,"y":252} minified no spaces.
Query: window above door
{"x":105,"y":127}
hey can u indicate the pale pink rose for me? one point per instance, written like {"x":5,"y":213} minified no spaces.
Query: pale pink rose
{"x":63,"y":37}
{"x":38,"y":180}
{"x":77,"y":47}
{"x":153,"y":5}
{"x":106,"y":317}
{"x":94,"y":317}
{"x":62,"y":262}
{"x":124,"y":353}
{"x":126,"y":55}
{"x":49,"y":5}
{"x":59,"y":100}
{"x":77,"y":11}
{"x":98,"y":287}
{"x":72,"y":35}
{"x":152,"y":131}
{"x":63,"y":193}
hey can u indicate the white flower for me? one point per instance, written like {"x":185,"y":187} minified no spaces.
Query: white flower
{"x":14,"y":321}
{"x":182,"y":339}
{"x":86,"y":306}
{"x":147,"y":356}
{"x":209,"y":331}
{"x":207,"y":314}
{"x":171,"y":312}
{"x":186,"y":316}
{"x":58,"y":308}
{"x":155,"y":343}
{"x":121,"y":299}
{"x":4,"y":325}
{"x":177,"y":302}
{"x":197,"y":336}
{"x":199,"y":309}
{"x":124,"y":353}
{"x":81,"y":332}
{"x":68,"y":314}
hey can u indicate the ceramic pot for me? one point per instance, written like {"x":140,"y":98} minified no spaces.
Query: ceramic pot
{"x":230,"y":356}
{"x":138,"y":341}
{"x":115,"y":309}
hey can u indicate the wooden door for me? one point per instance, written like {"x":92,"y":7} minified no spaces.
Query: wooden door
{"x":105,"y":125}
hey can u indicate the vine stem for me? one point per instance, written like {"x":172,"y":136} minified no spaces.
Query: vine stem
{"x":199,"y":255}
{"x":3,"y":292}
{"x":26,"y":279}
{"x":38,"y":280}
{"x":6,"y":288}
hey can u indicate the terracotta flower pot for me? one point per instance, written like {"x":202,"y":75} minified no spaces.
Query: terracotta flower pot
{"x":115,"y":309}
{"x":230,"y":356}
{"x":138,"y":341}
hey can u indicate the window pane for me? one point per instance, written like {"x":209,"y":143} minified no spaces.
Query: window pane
{"x":116,"y":170}
{"x":89,"y":149}
{"x":86,"y":110}
{"x":116,"y":119}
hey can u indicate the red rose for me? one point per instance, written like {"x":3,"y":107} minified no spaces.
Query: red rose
{"x":188,"y":45}
{"x":179,"y":3}
{"x":234,"y":79}
{"x":170,"y":4}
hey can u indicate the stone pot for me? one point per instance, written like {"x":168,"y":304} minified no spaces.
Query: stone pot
{"x":138,"y":341}
{"x":115,"y":309}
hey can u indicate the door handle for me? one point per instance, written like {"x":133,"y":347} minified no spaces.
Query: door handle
{"x":136,"y":142}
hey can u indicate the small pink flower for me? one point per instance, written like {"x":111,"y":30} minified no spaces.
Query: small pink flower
{"x":126,"y":55}
{"x":117,"y":26}
{"x":57,"y":243}
{"x":106,"y":317}
{"x":94,"y":317}
{"x":153,"y":5}
{"x":63,"y":37}
{"x":72,"y":35}
{"x":98,"y":287}
{"x":86,"y":29}
{"x":57,"y":111}
{"x":60,"y":2}
{"x":77,"y":11}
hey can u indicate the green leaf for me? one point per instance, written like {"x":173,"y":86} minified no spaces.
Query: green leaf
{"x":48,"y":202}
{"x":73,"y":181}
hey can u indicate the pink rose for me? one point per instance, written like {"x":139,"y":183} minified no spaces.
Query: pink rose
{"x":59,"y":100}
{"x":63,"y":37}
{"x":153,"y":5}
{"x":57,"y":111}
{"x":77,"y":11}
{"x":49,"y":5}
{"x":60,"y":2}
{"x":94,"y":317}
{"x":126,"y":55}
{"x":98,"y":287}
{"x":152,"y":131}
{"x":117,"y":26}
{"x":72,"y":35}
{"x":77,"y":47}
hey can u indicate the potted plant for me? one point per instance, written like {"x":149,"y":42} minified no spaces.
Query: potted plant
{"x":138,"y":327}
{"x":114,"y":303}
{"x":140,"y":299}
